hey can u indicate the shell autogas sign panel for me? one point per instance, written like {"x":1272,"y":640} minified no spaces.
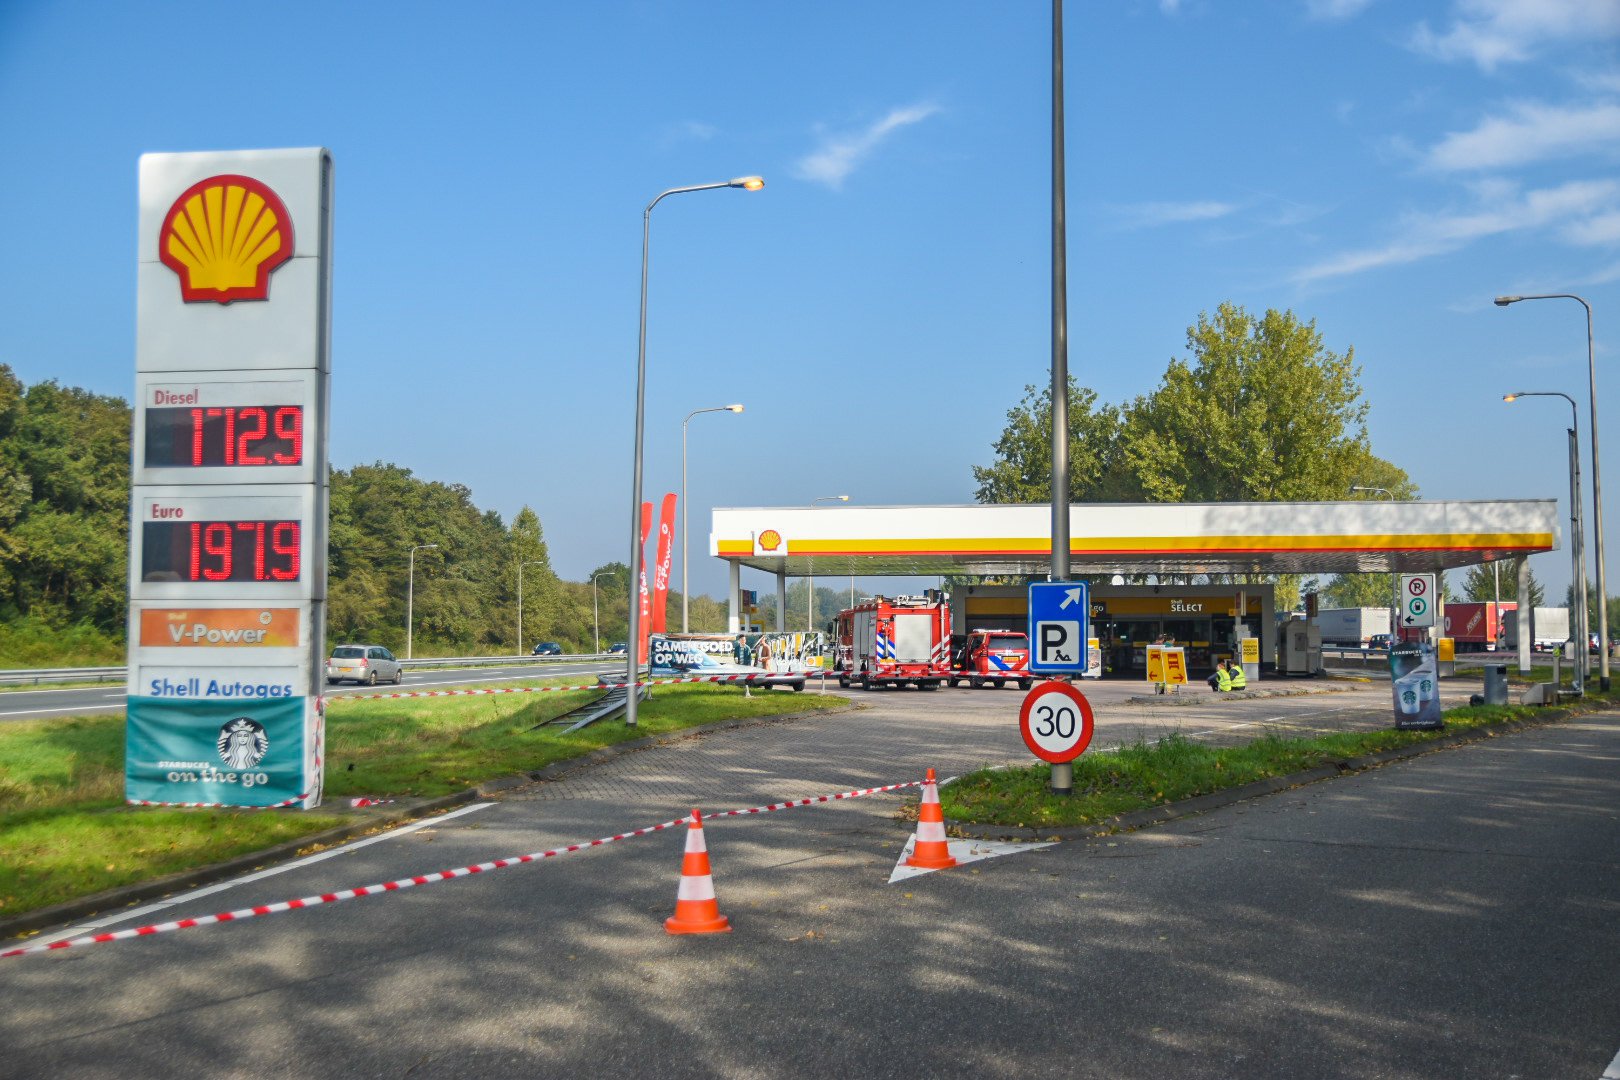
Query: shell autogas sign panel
{"x":228,"y":528}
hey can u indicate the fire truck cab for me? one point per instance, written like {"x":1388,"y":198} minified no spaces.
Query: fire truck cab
{"x":890,"y":642}
{"x":991,"y":658}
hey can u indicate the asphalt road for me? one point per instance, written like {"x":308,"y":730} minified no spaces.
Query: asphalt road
{"x":1457,"y":915}
{"x":109,"y":698}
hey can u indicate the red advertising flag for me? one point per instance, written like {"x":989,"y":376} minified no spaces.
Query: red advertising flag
{"x":646,"y":615}
{"x":666,"y":554}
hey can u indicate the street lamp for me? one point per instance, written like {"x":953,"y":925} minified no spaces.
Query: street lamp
{"x":1395,"y":577}
{"x":1597,"y":484}
{"x":685,"y":608}
{"x":633,"y":650}
{"x":410,"y":598}
{"x":810,"y":600}
{"x":596,"y":613}
{"x":521,"y":565}
{"x":1577,"y":540}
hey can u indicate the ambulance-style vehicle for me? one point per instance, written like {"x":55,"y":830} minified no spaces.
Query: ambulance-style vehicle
{"x":991,"y":658}
{"x":891,"y":642}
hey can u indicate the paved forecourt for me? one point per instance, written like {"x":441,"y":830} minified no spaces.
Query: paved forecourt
{"x":478,"y":976}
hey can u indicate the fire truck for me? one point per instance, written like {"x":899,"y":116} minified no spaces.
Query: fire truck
{"x":885,"y":641}
{"x":991,"y":658}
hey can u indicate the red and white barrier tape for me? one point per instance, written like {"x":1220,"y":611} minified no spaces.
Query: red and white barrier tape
{"x":220,"y":805}
{"x":426,"y":879}
{"x":750,"y":677}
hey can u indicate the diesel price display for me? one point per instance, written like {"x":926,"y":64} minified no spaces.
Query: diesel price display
{"x":227,"y":435}
{"x":206,"y":551}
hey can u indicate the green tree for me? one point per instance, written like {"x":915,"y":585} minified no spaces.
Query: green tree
{"x":1022,"y":469}
{"x":1482,"y":581}
{"x":1260,"y":410}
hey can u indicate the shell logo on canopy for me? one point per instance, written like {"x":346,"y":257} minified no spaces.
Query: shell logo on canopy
{"x":769,"y":542}
{"x":223,"y":237}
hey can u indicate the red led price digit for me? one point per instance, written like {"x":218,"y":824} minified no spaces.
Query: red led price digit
{"x":216,"y":541}
{"x":289,"y":427}
{"x":251,"y":415}
{"x":196,"y":440}
{"x":284,"y":541}
{"x":257,"y":529}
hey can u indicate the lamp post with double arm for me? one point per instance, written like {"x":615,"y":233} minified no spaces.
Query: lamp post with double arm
{"x":1597,"y":483}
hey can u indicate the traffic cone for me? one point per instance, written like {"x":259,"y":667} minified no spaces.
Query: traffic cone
{"x":696,"y":910}
{"x":931,"y":852}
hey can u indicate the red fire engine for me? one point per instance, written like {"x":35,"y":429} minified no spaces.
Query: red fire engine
{"x":896,"y":641}
{"x":991,"y":657}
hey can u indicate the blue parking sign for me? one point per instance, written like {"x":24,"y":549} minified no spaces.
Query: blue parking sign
{"x":1059,"y":626}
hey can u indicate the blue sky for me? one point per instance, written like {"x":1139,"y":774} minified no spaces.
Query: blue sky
{"x":1383,"y":167}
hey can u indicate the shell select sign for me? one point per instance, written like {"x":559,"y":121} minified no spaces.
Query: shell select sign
{"x":223,"y":237}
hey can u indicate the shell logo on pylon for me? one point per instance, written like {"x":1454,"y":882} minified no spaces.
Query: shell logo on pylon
{"x":770,"y":540}
{"x":224,"y":236}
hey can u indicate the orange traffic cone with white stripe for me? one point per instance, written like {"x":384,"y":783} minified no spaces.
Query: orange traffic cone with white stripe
{"x":696,"y":910}
{"x":931,"y":852}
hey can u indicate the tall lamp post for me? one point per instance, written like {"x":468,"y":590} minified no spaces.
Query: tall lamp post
{"x":633,"y":649}
{"x":1577,"y":538}
{"x":410,"y":598}
{"x":685,"y":608}
{"x":810,"y":599}
{"x":1597,"y":484}
{"x":521,"y":565}
{"x":1395,"y":577}
{"x":596,"y":613}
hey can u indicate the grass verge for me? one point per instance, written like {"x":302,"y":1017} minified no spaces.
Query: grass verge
{"x":66,"y":832}
{"x":1144,"y":774}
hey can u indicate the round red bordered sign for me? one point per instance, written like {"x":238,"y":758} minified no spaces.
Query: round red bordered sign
{"x":1056,"y":722}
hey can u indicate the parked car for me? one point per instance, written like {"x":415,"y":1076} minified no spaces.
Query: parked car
{"x":1379,"y":641}
{"x":547,"y":648}
{"x":369,"y":664}
{"x":618,"y":648}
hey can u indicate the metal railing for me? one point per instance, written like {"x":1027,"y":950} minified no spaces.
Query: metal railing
{"x":40,"y":676}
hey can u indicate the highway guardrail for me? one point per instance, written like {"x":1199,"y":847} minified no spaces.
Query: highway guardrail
{"x":40,"y":676}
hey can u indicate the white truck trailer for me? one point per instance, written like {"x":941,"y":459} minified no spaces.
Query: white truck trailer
{"x":1351,"y":627}
{"x":1549,"y":628}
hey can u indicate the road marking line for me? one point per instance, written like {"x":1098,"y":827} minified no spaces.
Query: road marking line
{"x":1613,"y":1071}
{"x":209,"y":890}
{"x":60,"y":711}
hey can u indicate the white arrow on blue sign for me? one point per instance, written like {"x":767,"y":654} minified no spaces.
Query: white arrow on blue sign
{"x":1059,"y":625}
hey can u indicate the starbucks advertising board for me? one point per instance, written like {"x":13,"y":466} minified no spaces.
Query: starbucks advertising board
{"x":228,"y":530}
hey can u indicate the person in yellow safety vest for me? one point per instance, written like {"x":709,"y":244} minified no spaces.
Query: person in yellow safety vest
{"x":1238,"y":679}
{"x":1221,"y":681}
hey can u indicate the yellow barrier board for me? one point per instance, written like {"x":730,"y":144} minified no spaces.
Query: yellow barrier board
{"x":1175,"y":667}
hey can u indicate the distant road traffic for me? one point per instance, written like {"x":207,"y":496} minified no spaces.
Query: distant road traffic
{"x":109,"y":698}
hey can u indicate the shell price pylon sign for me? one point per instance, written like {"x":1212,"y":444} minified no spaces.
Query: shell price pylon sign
{"x":224,"y":236}
{"x":229,"y":499}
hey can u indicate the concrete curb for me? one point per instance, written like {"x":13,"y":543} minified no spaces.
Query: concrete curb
{"x":1207,"y":697}
{"x":1203,"y":804}
{"x":372,"y":820}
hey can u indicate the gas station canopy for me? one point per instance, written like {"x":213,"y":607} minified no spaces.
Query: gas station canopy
{"x":1134,"y":538}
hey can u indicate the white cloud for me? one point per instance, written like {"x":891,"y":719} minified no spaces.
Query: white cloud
{"x":686,"y":131}
{"x":1528,"y":132}
{"x":838,"y":155}
{"x":1149,"y":214}
{"x":1600,"y":229}
{"x":1494,"y":32}
{"x":1335,"y":10}
{"x":1170,"y":7}
{"x":1501,"y":210}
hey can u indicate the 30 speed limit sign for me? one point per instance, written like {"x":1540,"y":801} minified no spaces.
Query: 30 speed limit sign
{"x":1056,"y":722}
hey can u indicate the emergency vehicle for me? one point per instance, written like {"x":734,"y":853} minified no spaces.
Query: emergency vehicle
{"x":885,"y":641}
{"x":991,"y":657}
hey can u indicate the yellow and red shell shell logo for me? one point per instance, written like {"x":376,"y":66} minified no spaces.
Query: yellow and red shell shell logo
{"x":770,"y":540}
{"x":223,"y":237}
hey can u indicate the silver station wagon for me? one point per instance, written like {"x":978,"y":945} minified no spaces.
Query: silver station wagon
{"x":368,"y":664}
